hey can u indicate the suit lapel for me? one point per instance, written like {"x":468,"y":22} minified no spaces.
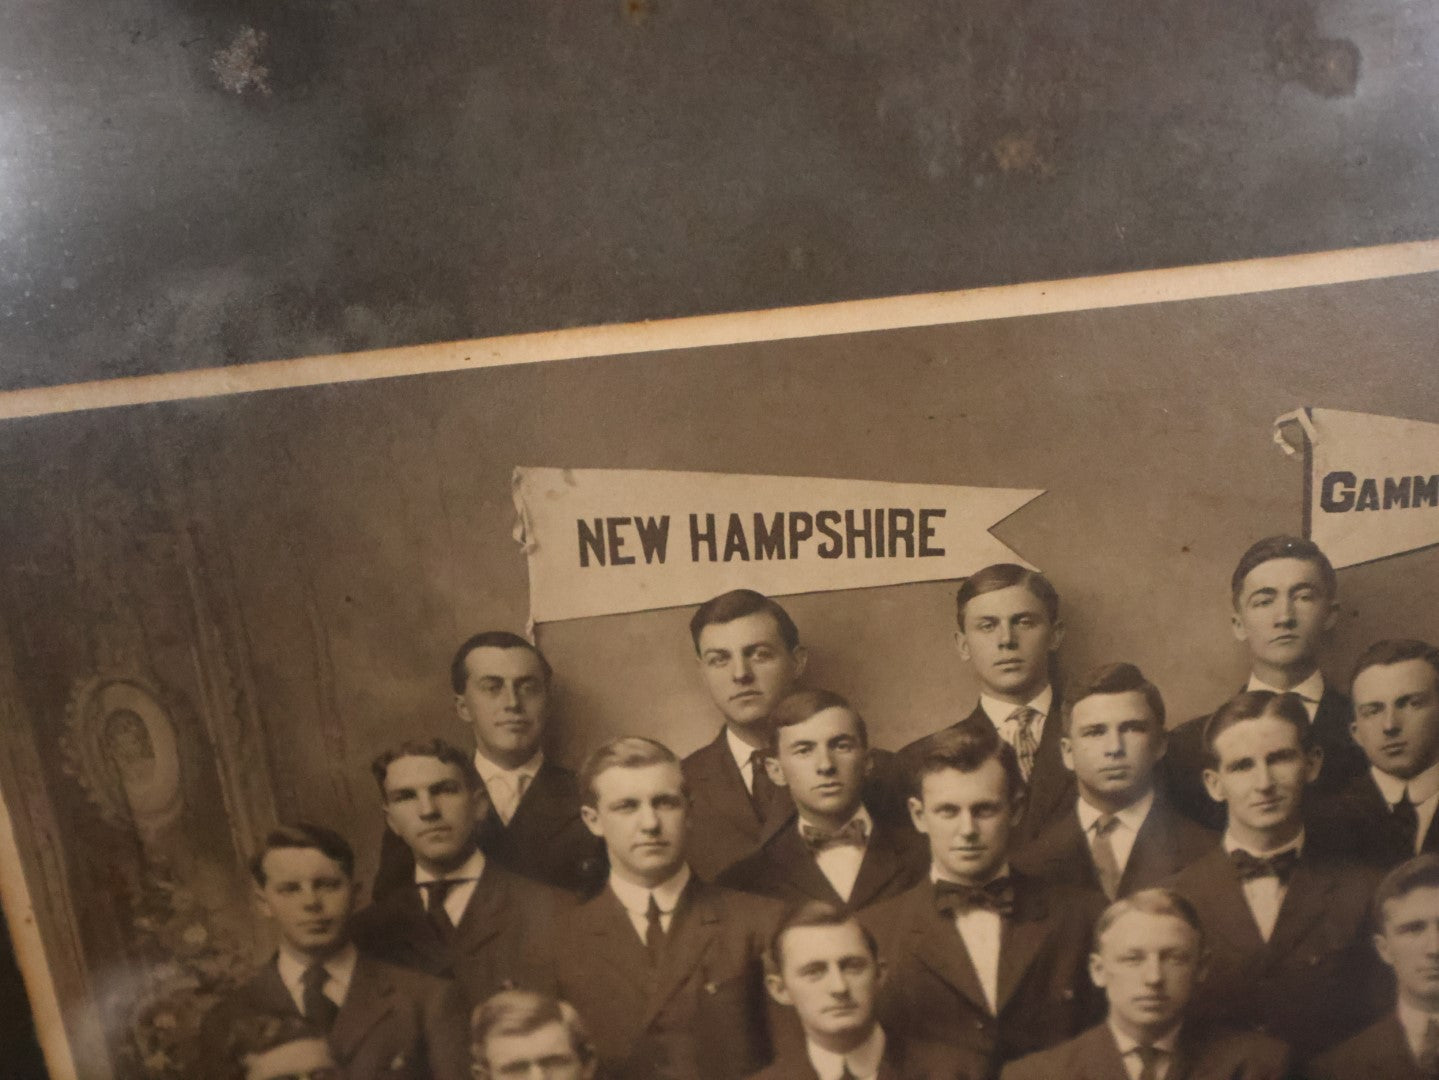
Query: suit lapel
{"x":369,"y":999}
{"x":1099,"y":1057}
{"x":880,"y":866}
{"x":483,"y":917}
{"x":267,"y":991}
{"x":935,"y":942}
{"x":544,"y":810}
{"x":617,"y":946}
{"x":728,"y":794}
{"x":1153,"y":857}
{"x":693,"y":930}
{"x":1304,"y":904}
{"x":1050,"y":782}
{"x":1022,"y":937}
{"x":794,"y":860}
{"x":1223,"y":897}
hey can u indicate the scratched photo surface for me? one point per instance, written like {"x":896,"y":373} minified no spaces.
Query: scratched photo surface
{"x":214,"y":614}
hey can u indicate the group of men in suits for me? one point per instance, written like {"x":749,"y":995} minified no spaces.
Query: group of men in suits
{"x":1052,"y":885}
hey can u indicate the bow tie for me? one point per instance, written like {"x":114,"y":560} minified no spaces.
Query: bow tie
{"x":951,"y":898}
{"x":1251,"y":867}
{"x":852,"y":835}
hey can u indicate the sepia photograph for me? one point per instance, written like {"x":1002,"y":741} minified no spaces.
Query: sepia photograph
{"x":1023,"y":683}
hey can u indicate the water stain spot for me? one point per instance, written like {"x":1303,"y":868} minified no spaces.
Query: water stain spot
{"x":237,"y":66}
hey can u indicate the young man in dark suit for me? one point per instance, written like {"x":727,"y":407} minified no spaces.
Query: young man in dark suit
{"x":825,"y":966}
{"x":1404,"y":1044}
{"x":665,"y":968}
{"x":1287,"y":926}
{"x":832,"y":849}
{"x":379,"y":1020}
{"x":1009,"y":632}
{"x":750,"y":656}
{"x":501,"y":684}
{"x":462,"y":916}
{"x":1148,"y":955}
{"x":1122,"y":835}
{"x":1285,"y":599}
{"x":1385,"y":815}
{"x":985,"y":959}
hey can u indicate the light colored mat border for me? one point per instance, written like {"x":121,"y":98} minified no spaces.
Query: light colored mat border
{"x":819,"y":320}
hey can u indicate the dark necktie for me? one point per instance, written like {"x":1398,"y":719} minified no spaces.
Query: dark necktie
{"x":1429,"y":1050}
{"x":654,"y":931}
{"x":852,"y":835}
{"x":1020,"y":734}
{"x":769,"y":801}
{"x":319,"y":1009}
{"x":1406,"y":820}
{"x":1106,"y":862}
{"x":1150,"y":1058}
{"x":1251,"y":867}
{"x":845,"y":1074}
{"x":952,"y":898}
{"x":436,"y":893}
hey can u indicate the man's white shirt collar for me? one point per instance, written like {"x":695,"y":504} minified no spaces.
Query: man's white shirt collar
{"x":1131,"y":817}
{"x":862,"y":814}
{"x":1127,"y":1044}
{"x":636,"y":898}
{"x":1000,"y":711}
{"x":863,"y":1061}
{"x":469,"y":870}
{"x":340,"y":968}
{"x":1421,"y":789}
{"x":1311,"y":689}
{"x":490,"y":771}
{"x":1232,"y":845}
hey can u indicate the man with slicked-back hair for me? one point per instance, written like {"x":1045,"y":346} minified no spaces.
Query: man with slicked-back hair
{"x":1285,"y":602}
{"x":1122,"y":835}
{"x":1009,"y":632}
{"x":502,"y":688}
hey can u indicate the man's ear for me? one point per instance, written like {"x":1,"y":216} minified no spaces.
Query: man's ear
{"x":1236,"y":624}
{"x":775,"y":985}
{"x":591,"y":817}
{"x":774,"y":772}
{"x":1161,"y":742}
{"x":1056,"y":635}
{"x":462,"y":710}
{"x":1016,"y":810}
{"x":1096,"y":970}
{"x":389,"y":818}
{"x":1331,"y":617}
{"x":1066,"y":752}
{"x":961,"y":646}
{"x":1313,"y":762}
{"x":916,"y":814}
{"x":1381,"y":946}
{"x":801,"y":657}
{"x":262,"y":905}
{"x":1212,"y":785}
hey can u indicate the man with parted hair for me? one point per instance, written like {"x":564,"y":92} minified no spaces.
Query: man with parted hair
{"x":1404,"y":1043}
{"x":826,"y":967}
{"x":1385,"y":815}
{"x":832,"y":848}
{"x":750,"y":657}
{"x":461,"y":916}
{"x":379,"y":1020}
{"x":518,"y":1032}
{"x":981,"y":957}
{"x":1122,"y":835}
{"x":1149,"y":953}
{"x":266,"y":1046}
{"x":664,"y":967}
{"x":503,"y":686}
{"x":1287,"y":925}
{"x":1009,"y":632}
{"x":1285,"y":602}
